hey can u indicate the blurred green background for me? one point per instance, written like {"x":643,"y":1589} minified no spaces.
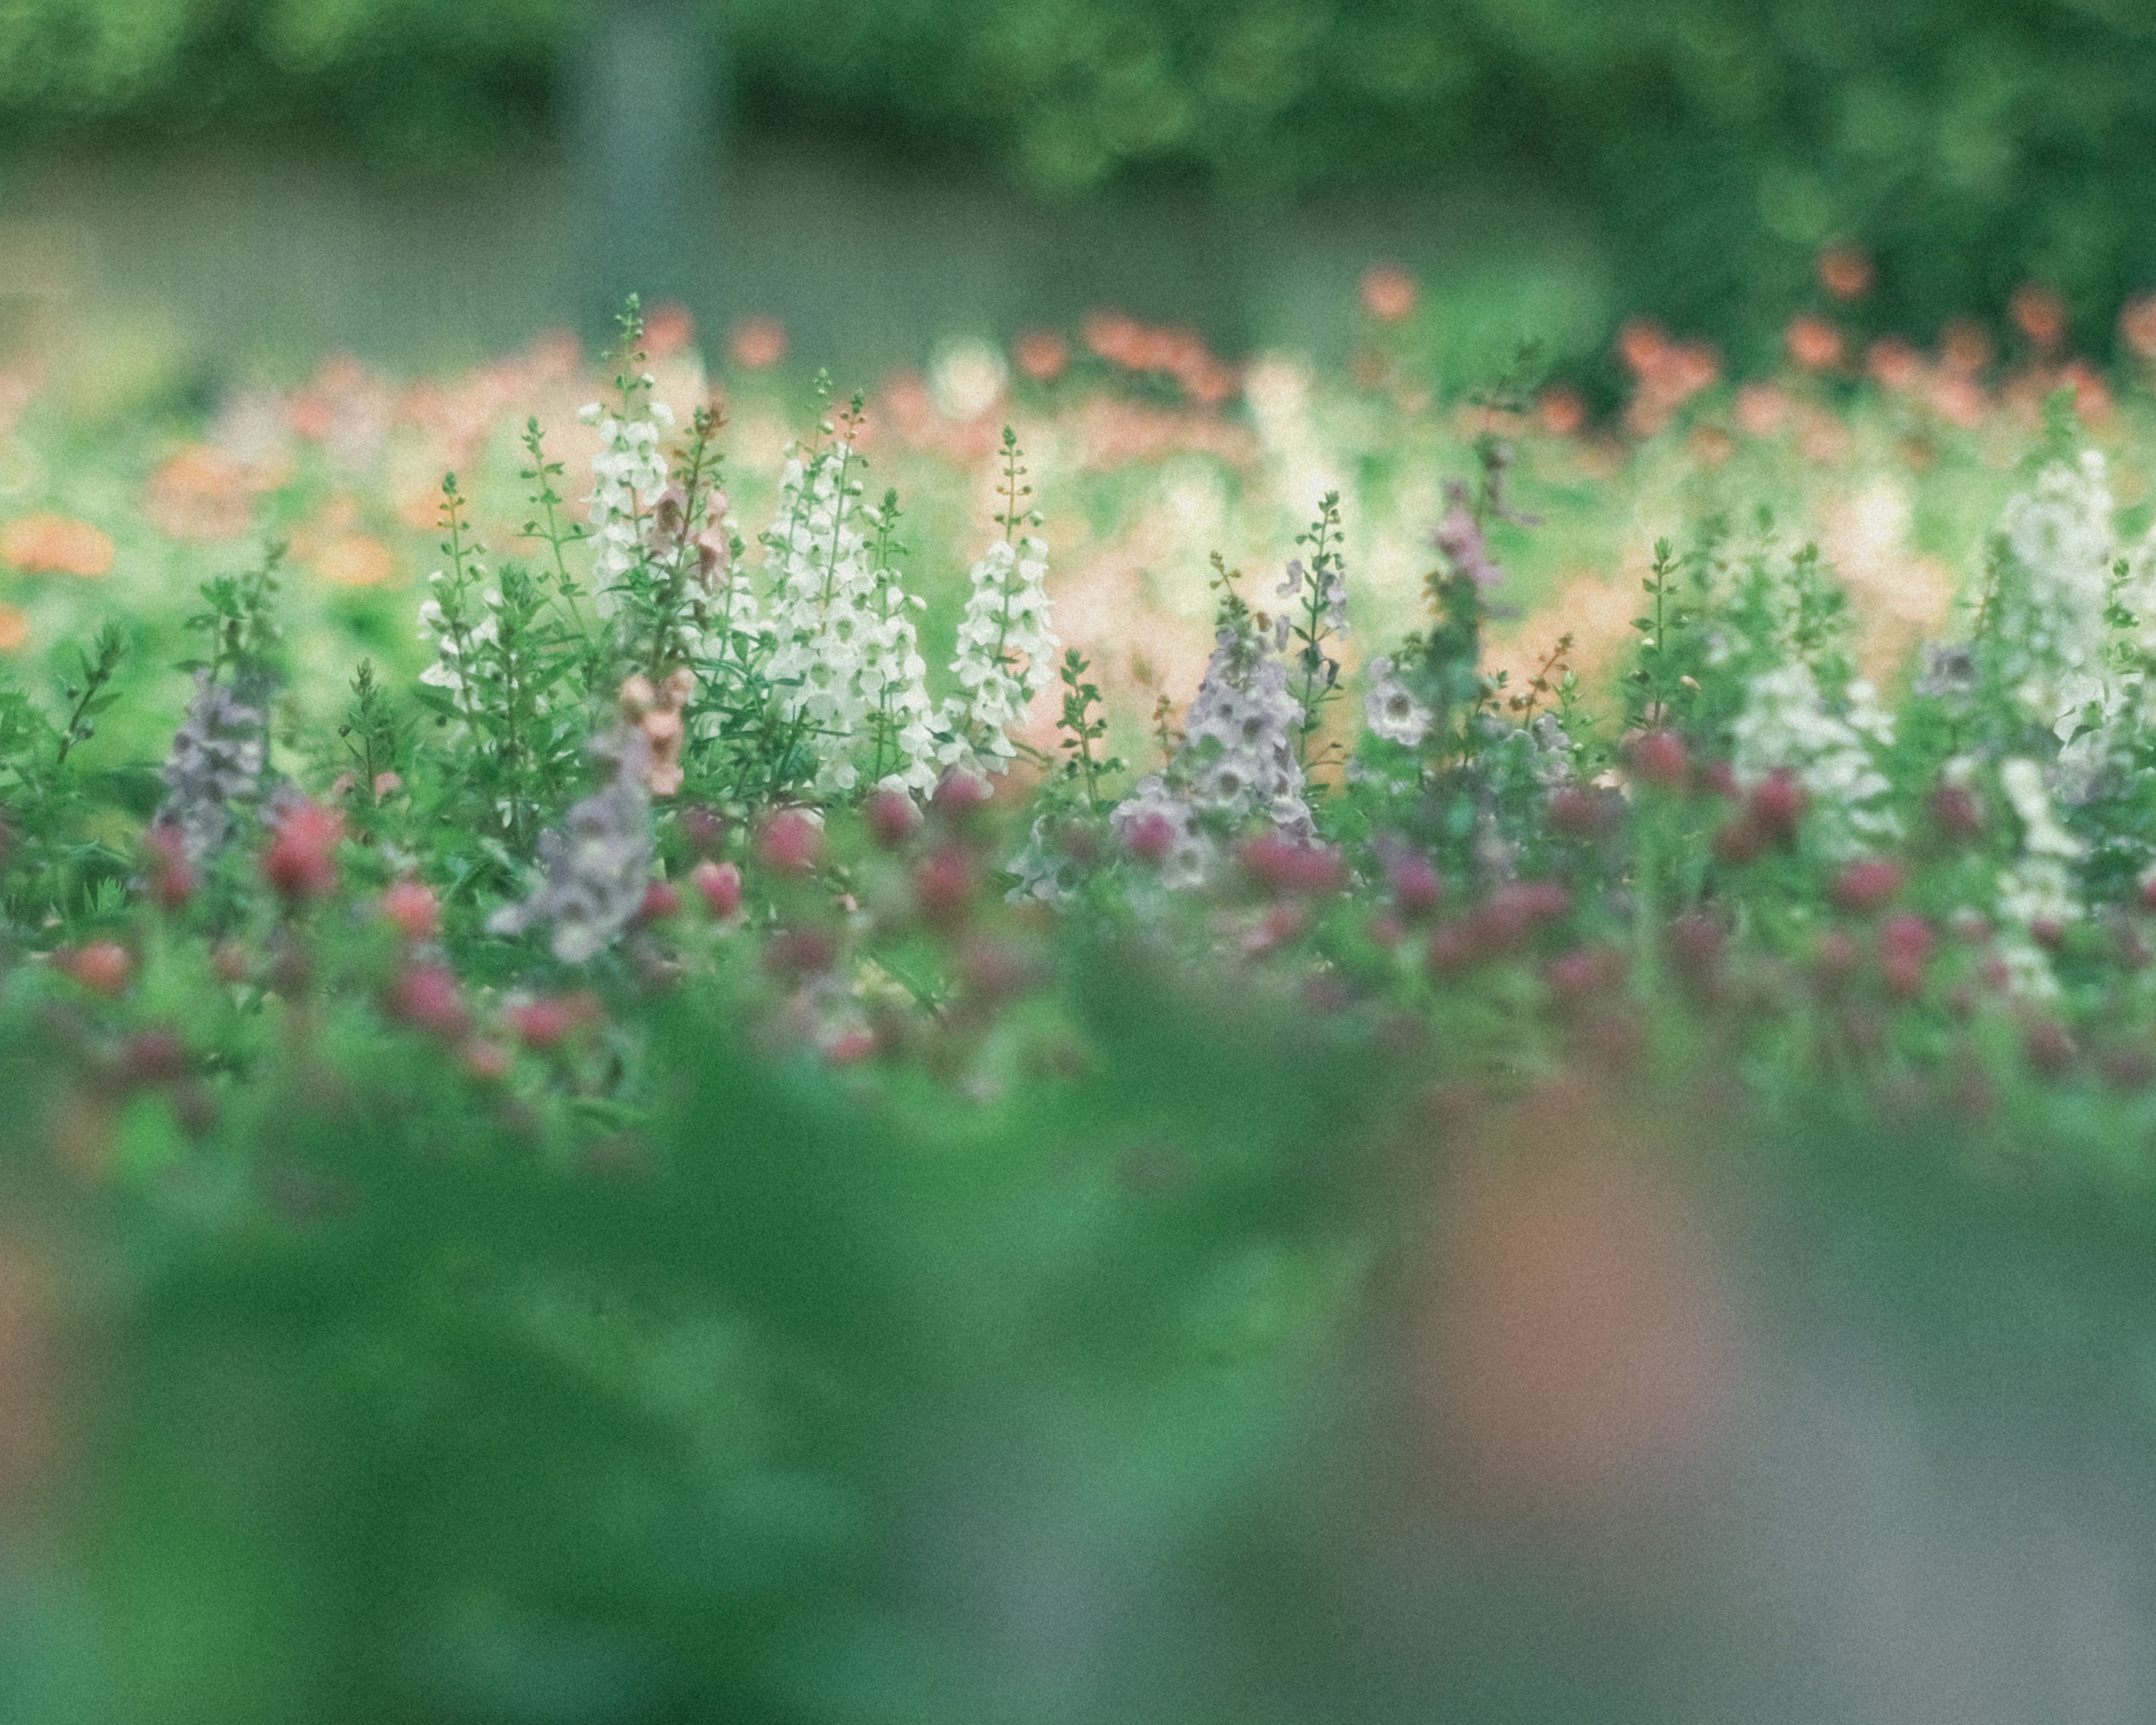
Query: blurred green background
{"x":249,"y":178}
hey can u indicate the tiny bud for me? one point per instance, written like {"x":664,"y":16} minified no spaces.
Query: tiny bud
{"x":661,"y":900}
{"x":1282,"y":865}
{"x":1577,"y":813}
{"x":1719,"y":778}
{"x":720,"y":885}
{"x":386,"y":784}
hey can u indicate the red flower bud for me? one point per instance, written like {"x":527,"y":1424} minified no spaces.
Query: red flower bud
{"x":301,"y":861}
{"x":661,"y":900}
{"x":893,"y":818}
{"x":2050,"y":1049}
{"x":173,"y":880}
{"x":1578,"y":813}
{"x":1283,"y":865}
{"x":1659,"y":757}
{"x":791,"y":841}
{"x":1777,"y":803}
{"x":103,"y":967}
{"x":412,"y":905}
{"x":943,"y":885}
{"x":1866,"y":886}
{"x":705,"y":828}
{"x":542,"y":1024}
{"x":1956,"y":812}
{"x":1416,"y":884}
{"x":720,"y":886}
{"x":960,"y":792}
{"x":427,"y":997}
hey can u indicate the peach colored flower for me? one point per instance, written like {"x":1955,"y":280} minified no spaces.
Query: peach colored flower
{"x":1845,"y":271}
{"x":1388,"y":293}
{"x":1815,"y":345}
{"x":1560,"y":410}
{"x":1042,"y":355}
{"x":2137,"y":323}
{"x":758,"y":343}
{"x":2040,"y":314}
{"x":1894,"y":363}
{"x":1964,"y":346}
{"x":14,"y":628}
{"x":47,"y":543}
{"x":1761,"y":409}
{"x":355,"y":560}
{"x":203,"y":493}
{"x":668,"y":329}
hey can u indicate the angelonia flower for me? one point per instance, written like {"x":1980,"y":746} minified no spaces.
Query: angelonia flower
{"x":2053,"y":556}
{"x":1047,"y":872}
{"x":1390,"y":710}
{"x":2037,"y":891}
{"x":1331,"y":602}
{"x":456,"y":638}
{"x":628,"y":476}
{"x":598,"y":865}
{"x":821,"y":593}
{"x":1238,"y":760}
{"x":1788,"y":724}
{"x":1006,"y":654}
{"x":891,"y":685}
{"x":215,"y":766}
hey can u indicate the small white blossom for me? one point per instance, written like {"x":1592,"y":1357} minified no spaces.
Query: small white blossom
{"x":629,"y":473}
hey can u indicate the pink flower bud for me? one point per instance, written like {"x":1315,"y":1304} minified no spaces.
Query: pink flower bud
{"x":426,"y":996}
{"x":1865,"y":885}
{"x":661,"y":900}
{"x":412,"y":907}
{"x":1777,"y":803}
{"x":960,"y":792}
{"x":943,"y":885}
{"x":1282,"y":865}
{"x":720,"y":886}
{"x":791,"y":841}
{"x":1659,"y":757}
{"x":893,"y":818}
{"x":103,"y":967}
{"x":301,"y":861}
{"x":173,"y":880}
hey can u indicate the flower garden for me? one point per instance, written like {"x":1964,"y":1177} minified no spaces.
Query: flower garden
{"x":1098,"y":1035}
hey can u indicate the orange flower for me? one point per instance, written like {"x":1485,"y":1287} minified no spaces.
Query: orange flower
{"x":758,"y":343}
{"x":14,"y":628}
{"x":667,"y":330}
{"x":1388,"y":293}
{"x":356,"y":560}
{"x":50,"y":544}
{"x":1814,"y":343}
{"x":203,"y":493}
{"x":1845,"y":271}
{"x":2040,"y":314}
{"x":1762,"y":408}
